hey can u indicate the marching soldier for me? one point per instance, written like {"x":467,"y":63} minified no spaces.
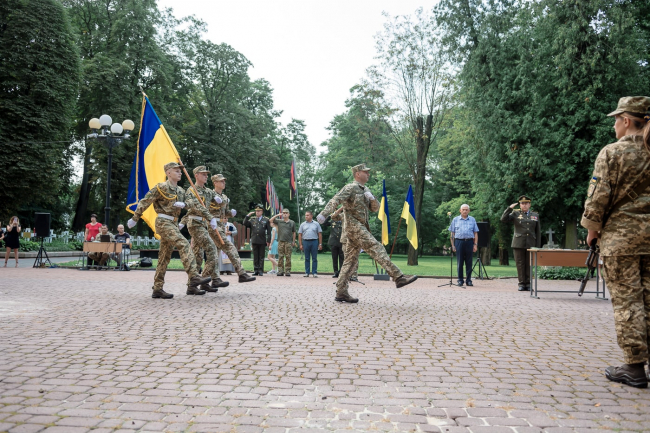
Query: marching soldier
{"x":197,"y":218}
{"x":358,"y":201}
{"x":168,"y":199}
{"x":260,"y":237}
{"x":617,"y":212}
{"x":528,"y":234}
{"x":219,"y":208}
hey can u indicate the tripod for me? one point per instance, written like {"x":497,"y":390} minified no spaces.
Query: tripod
{"x":481,"y":267}
{"x":451,"y":261}
{"x":42,"y":257}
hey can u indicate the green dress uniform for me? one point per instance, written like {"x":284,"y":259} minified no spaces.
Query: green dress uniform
{"x":260,"y":238}
{"x":528,"y":234}
{"x":618,"y":206}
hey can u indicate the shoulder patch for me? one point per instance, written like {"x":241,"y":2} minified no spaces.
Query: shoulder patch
{"x":593,"y":183}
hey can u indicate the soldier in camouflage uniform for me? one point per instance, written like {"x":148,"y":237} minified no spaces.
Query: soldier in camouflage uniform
{"x":219,"y":207}
{"x":102,"y":258}
{"x":358,"y":201}
{"x":168,"y":199}
{"x":196,"y":219}
{"x":617,"y":211}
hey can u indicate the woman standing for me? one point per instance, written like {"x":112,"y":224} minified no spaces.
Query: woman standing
{"x":617,"y":213}
{"x":225,"y":266}
{"x":12,"y":241}
{"x":273,"y":251}
{"x":92,"y":228}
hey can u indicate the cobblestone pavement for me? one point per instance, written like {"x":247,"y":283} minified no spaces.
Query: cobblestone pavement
{"x":91,"y":351}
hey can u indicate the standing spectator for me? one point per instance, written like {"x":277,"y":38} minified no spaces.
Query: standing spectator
{"x":123,"y":237}
{"x":336,"y":222}
{"x":464,"y":241}
{"x":260,"y":237}
{"x":273,"y":250}
{"x":286,"y":240}
{"x":92,"y":228}
{"x":225,"y":265}
{"x":12,"y":241}
{"x":310,"y":238}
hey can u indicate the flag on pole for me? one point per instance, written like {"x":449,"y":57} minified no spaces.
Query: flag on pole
{"x":408,"y":213}
{"x":293,"y":189}
{"x":154,"y":150}
{"x":268,"y":193}
{"x":384,"y":216}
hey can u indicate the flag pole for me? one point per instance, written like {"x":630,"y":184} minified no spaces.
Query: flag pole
{"x":395,"y":238}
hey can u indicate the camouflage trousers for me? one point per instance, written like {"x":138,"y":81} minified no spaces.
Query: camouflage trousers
{"x":355,"y":270}
{"x":628,"y":281}
{"x":171,"y":237}
{"x":284,"y":253}
{"x":201,"y":241}
{"x":358,"y":237}
{"x":227,"y":247}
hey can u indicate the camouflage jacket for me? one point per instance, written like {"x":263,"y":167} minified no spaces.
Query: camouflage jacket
{"x":218,"y":210}
{"x":195,"y":208}
{"x":162,"y":197}
{"x":527,"y":228}
{"x":356,"y":205}
{"x":618,"y":168}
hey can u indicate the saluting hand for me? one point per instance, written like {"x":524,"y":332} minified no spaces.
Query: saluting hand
{"x":512,"y":206}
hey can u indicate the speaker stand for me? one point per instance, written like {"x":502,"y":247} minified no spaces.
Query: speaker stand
{"x":481,"y":267}
{"x":42,"y":257}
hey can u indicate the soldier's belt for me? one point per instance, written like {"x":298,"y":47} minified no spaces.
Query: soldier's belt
{"x":195,"y":218}
{"x":167,"y":217}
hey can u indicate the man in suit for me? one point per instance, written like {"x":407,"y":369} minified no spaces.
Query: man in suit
{"x":528,"y":234}
{"x":260,"y":237}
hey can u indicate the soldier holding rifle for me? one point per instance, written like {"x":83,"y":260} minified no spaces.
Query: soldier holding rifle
{"x":617,"y":212}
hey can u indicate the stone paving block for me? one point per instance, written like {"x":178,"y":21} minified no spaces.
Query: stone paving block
{"x":27,"y":428}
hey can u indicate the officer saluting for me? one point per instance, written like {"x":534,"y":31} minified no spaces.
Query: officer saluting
{"x":528,"y":234}
{"x":260,"y":237}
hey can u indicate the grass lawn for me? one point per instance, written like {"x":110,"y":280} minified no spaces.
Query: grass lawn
{"x":428,"y":265}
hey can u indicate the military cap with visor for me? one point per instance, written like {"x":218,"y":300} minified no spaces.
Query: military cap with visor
{"x":259,"y":207}
{"x":201,"y":169}
{"x":632,"y":104}
{"x":171,"y":165}
{"x":217,"y":177}
{"x":360,"y":167}
{"x":524,"y":199}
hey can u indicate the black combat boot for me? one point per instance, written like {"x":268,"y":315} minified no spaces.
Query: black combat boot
{"x":345,"y":297}
{"x":629,"y":374}
{"x":208,"y":288}
{"x":219,"y":283}
{"x":161,"y":294}
{"x":191,"y":290}
{"x":245,"y":278}
{"x":403,"y":280}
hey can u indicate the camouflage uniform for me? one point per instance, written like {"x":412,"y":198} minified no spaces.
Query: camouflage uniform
{"x":624,"y":238}
{"x":285,"y":247}
{"x":217,"y":210}
{"x":356,"y":211}
{"x":162,"y":197}
{"x":354,"y":274}
{"x":101,"y":258}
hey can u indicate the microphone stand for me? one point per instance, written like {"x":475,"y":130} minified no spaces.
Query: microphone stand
{"x":451,"y":261}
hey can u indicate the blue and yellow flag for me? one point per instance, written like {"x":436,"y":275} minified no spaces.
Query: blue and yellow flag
{"x":408,"y":213}
{"x":383,"y":216}
{"x":155,"y":149}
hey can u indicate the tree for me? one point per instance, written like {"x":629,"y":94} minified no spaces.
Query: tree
{"x":39,"y":74}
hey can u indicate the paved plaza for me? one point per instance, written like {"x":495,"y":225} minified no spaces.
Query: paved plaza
{"x":91,"y":351}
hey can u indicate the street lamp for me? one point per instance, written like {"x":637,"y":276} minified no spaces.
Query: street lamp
{"x":111,"y":134}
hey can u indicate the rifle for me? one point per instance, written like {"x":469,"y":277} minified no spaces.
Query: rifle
{"x":592,"y":262}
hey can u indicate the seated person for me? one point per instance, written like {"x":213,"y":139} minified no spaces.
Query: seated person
{"x":123,"y":237}
{"x":101,"y":258}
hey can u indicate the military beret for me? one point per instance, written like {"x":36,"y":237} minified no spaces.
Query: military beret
{"x":632,"y":104}
{"x":524,"y":199}
{"x":360,"y":167}
{"x":170,"y":165}
{"x":201,"y":169}
{"x":259,"y":207}
{"x":217,"y":177}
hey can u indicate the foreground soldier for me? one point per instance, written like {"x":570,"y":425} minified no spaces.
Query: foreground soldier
{"x":357,"y":201}
{"x":168,"y":199}
{"x":219,"y":207}
{"x":197,"y":224}
{"x":618,"y":212}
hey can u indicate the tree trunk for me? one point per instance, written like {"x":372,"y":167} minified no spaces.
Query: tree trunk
{"x":79,"y":223}
{"x":486,"y":256}
{"x":502,"y":240}
{"x":422,"y":141}
{"x":571,"y":235}
{"x":504,"y":260}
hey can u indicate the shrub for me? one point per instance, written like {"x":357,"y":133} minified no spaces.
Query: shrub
{"x":27,"y":245}
{"x":558,"y":273}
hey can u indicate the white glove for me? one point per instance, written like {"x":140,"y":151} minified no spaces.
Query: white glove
{"x":180,"y":226}
{"x":321,"y":219}
{"x":369,"y":195}
{"x":130,"y":223}
{"x":179,"y":204}
{"x":233,"y":212}
{"x":218,"y":199}
{"x":213,"y":223}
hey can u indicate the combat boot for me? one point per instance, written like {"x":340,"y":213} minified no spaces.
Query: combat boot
{"x":208,"y":288}
{"x":161,"y":294}
{"x":345,"y":297}
{"x":245,"y":278}
{"x":219,"y":283}
{"x":629,"y":374}
{"x":198,"y":280}
{"x":403,"y":280}
{"x":193,"y":290}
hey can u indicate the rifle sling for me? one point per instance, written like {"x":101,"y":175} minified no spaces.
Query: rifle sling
{"x":630,"y":196}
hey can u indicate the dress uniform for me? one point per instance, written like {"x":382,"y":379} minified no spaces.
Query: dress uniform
{"x":528,"y":234}
{"x":618,"y":206}
{"x":358,"y":202}
{"x":260,"y":238}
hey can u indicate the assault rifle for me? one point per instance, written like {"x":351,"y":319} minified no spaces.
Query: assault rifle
{"x":592,"y":262}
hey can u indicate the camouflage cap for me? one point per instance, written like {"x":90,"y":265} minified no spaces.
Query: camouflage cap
{"x":201,"y":169}
{"x":632,"y":104}
{"x":217,"y":177}
{"x":172,"y":165}
{"x":360,"y":167}
{"x":524,"y":199}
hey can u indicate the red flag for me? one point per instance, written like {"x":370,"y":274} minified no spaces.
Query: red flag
{"x":292,"y":182}
{"x":268,"y":192}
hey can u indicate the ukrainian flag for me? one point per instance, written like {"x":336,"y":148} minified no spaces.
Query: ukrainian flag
{"x":155,"y":149}
{"x":383,"y":216}
{"x":408,"y":213}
